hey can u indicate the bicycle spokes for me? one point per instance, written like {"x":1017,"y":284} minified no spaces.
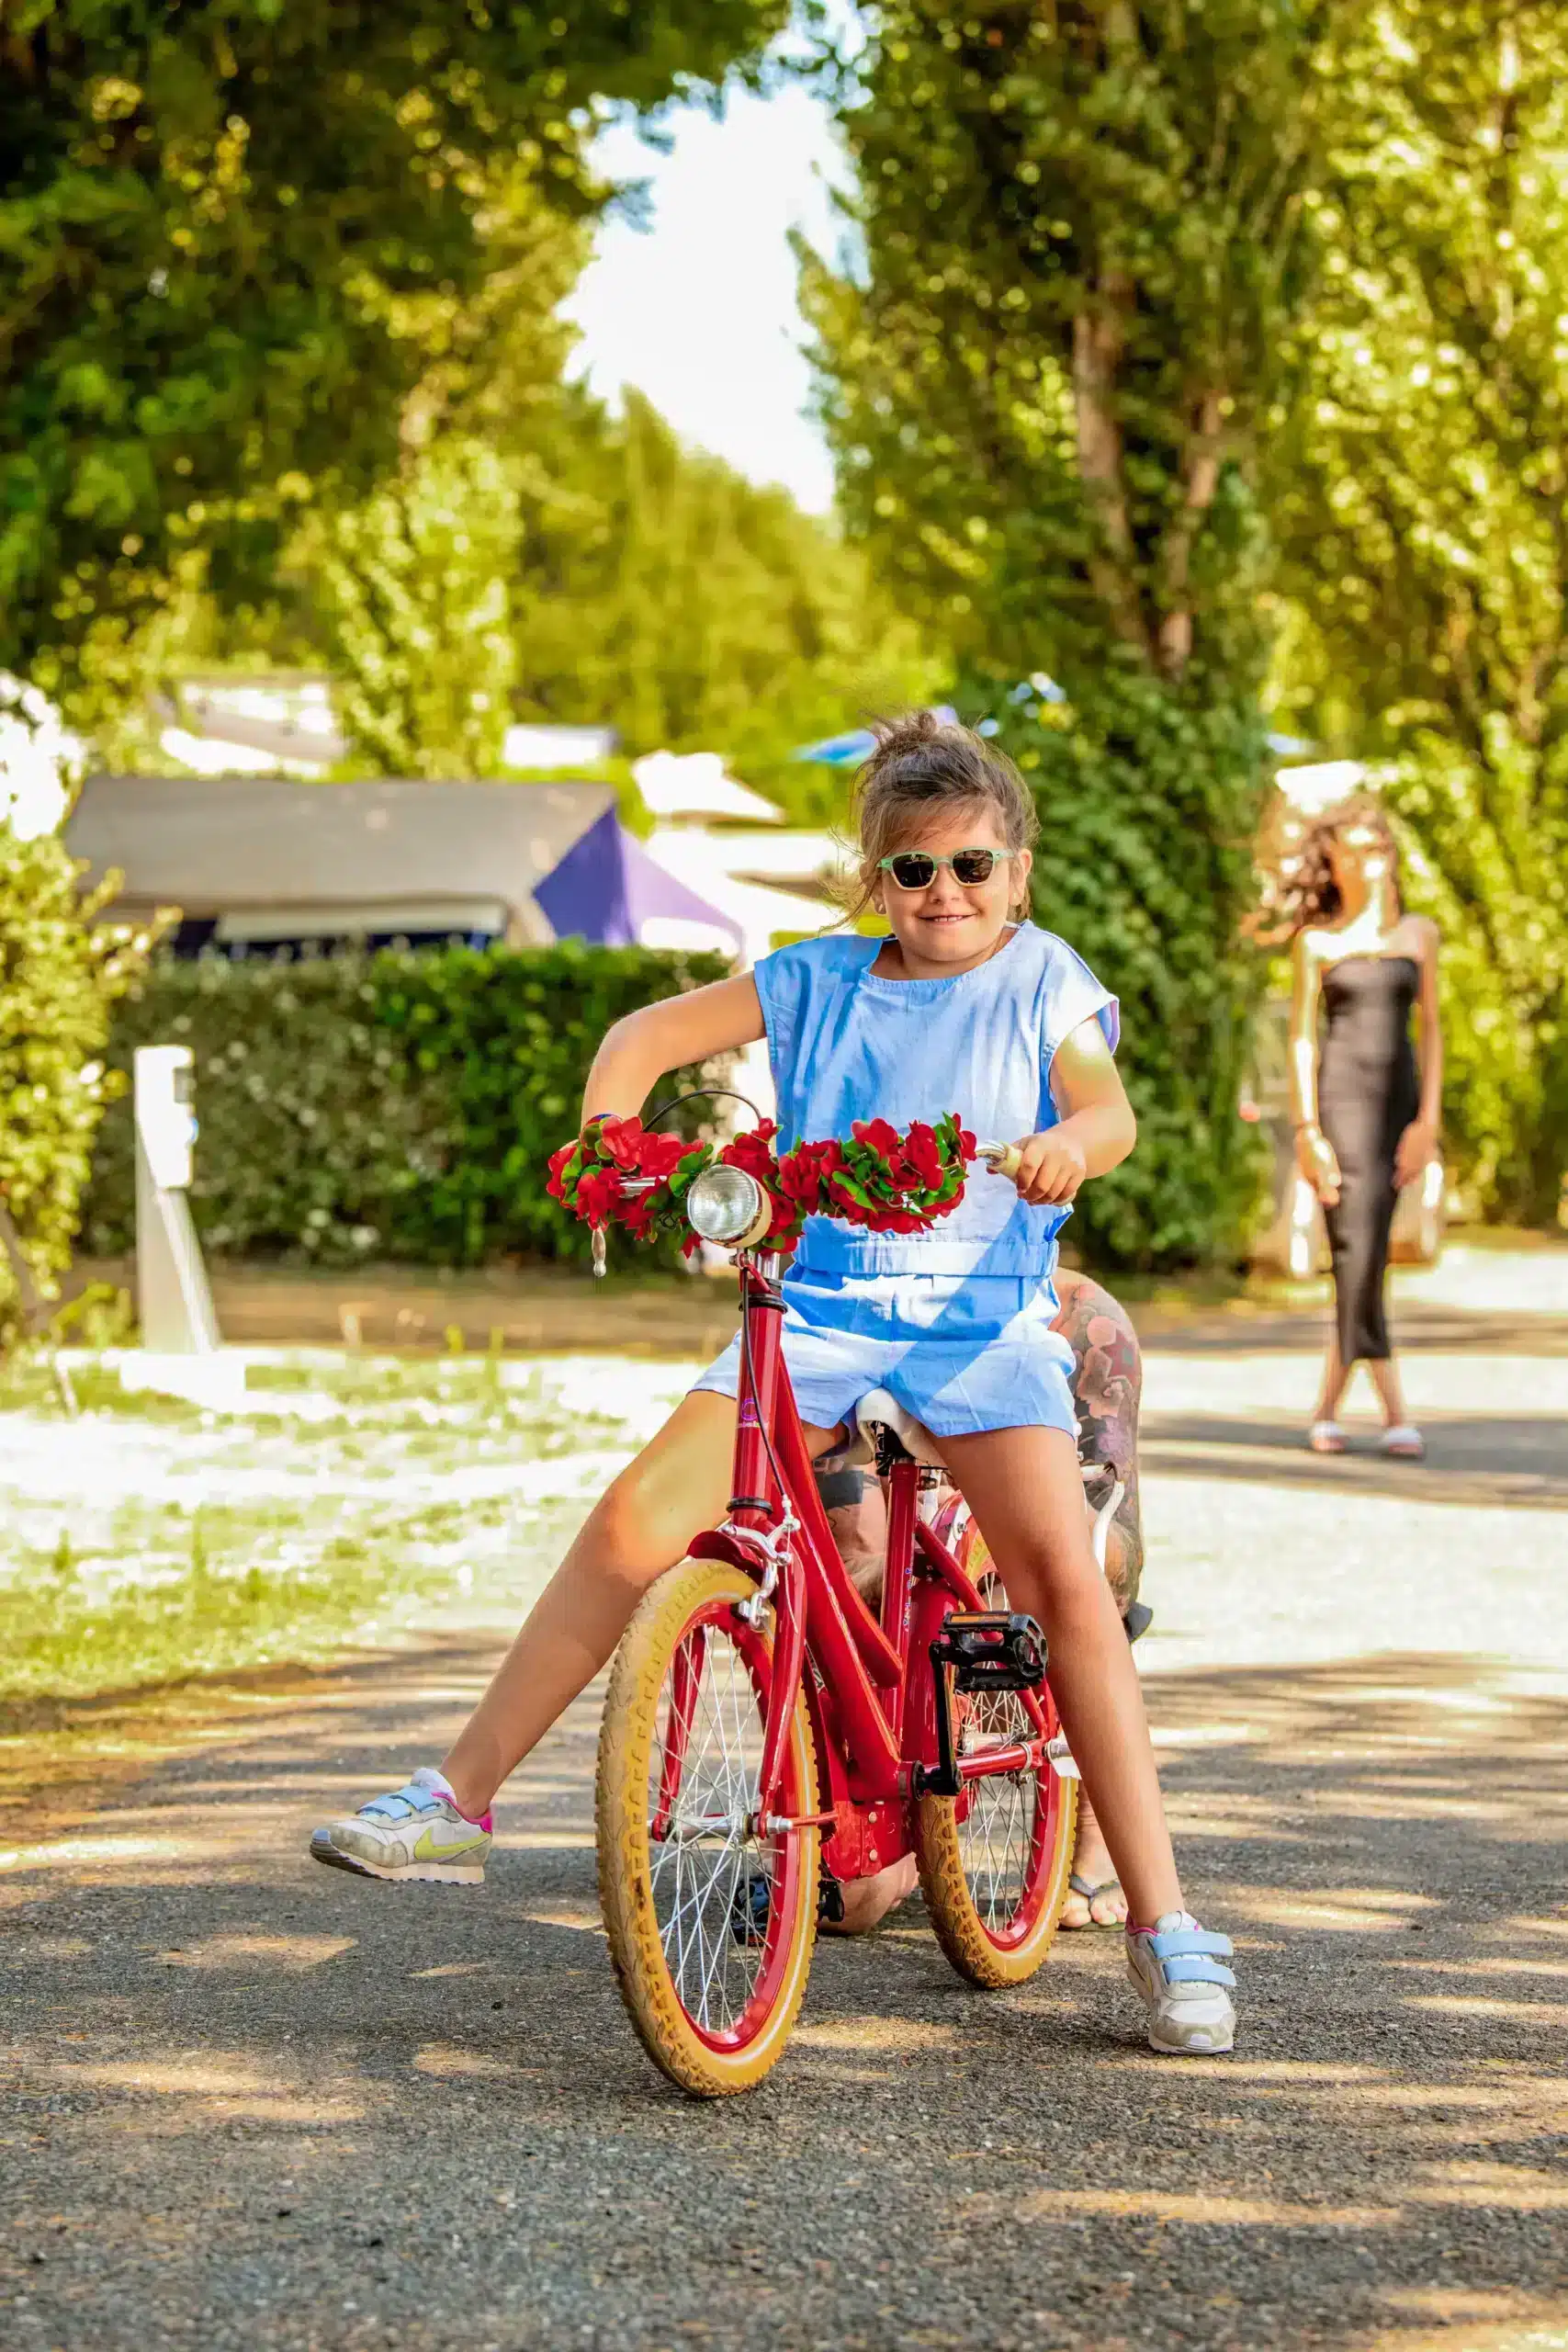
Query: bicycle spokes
{"x":998,"y":1833}
{"x":713,"y":1877}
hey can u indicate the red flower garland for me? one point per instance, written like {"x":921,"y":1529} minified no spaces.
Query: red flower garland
{"x":882,"y":1180}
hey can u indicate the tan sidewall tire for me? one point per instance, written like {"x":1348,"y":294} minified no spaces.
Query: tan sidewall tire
{"x":939,"y":1851}
{"x":626,"y":1895}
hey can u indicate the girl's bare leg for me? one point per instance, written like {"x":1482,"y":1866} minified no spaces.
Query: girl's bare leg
{"x":1336,"y":1380}
{"x":640,"y":1526}
{"x":1024,"y":1487}
{"x":1391,"y":1396}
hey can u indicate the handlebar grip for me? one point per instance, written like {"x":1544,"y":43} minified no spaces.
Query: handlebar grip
{"x":1002,"y":1158}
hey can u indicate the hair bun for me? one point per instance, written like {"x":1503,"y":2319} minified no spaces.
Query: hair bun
{"x":910,"y":733}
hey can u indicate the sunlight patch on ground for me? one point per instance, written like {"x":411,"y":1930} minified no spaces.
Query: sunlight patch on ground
{"x":1359,"y":1909}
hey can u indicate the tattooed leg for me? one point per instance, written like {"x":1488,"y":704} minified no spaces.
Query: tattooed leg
{"x":1108,"y":1379}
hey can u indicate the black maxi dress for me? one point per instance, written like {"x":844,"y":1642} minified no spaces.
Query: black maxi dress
{"x":1367,"y":1092}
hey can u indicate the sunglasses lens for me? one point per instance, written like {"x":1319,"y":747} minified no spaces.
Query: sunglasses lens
{"x":914,"y":870}
{"x":972,"y":866}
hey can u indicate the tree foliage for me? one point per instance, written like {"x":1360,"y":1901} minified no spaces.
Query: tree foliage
{"x":662,"y":593}
{"x":59,"y":975}
{"x":1085,"y":231}
{"x":232,"y":239}
{"x":1422,"y":498}
{"x":539,"y":558}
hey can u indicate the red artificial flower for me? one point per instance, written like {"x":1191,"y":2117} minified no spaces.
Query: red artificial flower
{"x":876,"y":1135}
{"x":661,"y":1155}
{"x":800,"y":1175}
{"x":623,"y":1141}
{"x":597,"y":1196}
{"x":921,"y":1152}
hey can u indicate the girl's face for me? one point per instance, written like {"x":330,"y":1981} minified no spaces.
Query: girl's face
{"x":1358,"y":858}
{"x":951,"y":922}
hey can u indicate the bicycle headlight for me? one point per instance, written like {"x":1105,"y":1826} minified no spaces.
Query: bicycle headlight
{"x":729,"y":1207}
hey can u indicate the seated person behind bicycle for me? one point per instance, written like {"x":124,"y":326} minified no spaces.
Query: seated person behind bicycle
{"x":964,"y":1007}
{"x":1107,"y":1385}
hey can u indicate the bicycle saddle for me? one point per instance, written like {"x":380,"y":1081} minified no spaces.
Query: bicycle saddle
{"x":879,"y":1409}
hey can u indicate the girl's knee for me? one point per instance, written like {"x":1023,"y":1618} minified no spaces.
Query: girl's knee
{"x":642,"y":1522}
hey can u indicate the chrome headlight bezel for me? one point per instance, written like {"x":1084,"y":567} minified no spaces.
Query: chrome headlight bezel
{"x":727,"y":1208}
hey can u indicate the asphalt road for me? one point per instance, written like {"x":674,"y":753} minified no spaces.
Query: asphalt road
{"x":252,"y":2103}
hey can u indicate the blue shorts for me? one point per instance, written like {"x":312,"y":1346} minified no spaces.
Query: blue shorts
{"x":961,"y":1352}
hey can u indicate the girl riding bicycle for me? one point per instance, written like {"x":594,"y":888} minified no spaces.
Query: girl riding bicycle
{"x":964,"y":1007}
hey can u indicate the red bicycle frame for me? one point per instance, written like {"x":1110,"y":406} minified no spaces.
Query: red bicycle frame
{"x":870,"y":1684}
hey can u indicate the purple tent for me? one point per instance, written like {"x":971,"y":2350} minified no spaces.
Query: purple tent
{"x":607,"y":887}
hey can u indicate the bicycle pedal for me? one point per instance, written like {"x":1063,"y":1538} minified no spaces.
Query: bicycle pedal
{"x":991,"y":1651}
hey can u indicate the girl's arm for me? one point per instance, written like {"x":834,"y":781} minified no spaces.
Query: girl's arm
{"x":644,"y":1046}
{"x":1418,"y":1144}
{"x":1097,"y":1129}
{"x":1315,"y":1153}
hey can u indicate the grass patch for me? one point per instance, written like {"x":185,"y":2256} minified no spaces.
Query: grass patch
{"x":160,"y":1541}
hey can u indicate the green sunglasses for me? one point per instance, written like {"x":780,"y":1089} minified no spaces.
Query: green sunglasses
{"x":914,"y":869}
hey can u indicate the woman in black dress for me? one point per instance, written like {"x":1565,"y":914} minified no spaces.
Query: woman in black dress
{"x":1366,"y":1109}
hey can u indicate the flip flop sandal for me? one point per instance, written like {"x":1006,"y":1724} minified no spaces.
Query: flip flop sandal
{"x":1405,"y":1443}
{"x":1325,"y":1437}
{"x":1091,"y":1894}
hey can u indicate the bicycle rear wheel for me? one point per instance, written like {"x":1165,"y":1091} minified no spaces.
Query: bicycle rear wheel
{"x":994,"y":1862}
{"x":711,"y":1923}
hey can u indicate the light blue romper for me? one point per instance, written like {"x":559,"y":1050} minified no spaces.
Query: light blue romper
{"x":954,"y":1323}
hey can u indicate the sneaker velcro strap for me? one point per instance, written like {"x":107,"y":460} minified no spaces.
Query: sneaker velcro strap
{"x":401,"y":1803}
{"x":1180,"y":1943}
{"x":1195,"y":1968}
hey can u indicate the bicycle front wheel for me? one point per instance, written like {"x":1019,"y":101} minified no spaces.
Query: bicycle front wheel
{"x":711,"y":1923}
{"x":994,"y":1862}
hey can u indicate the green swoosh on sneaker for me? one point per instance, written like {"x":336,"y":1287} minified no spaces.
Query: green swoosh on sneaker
{"x":427,"y":1850}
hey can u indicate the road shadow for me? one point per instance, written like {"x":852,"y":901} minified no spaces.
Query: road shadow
{"x":1470,"y":1459}
{"x":1417,"y":1330}
{"x":258,"y":2103}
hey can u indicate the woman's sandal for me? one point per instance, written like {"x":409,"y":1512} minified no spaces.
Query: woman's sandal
{"x":1091,"y":1894}
{"x":1402,"y":1441}
{"x":1326,"y":1437}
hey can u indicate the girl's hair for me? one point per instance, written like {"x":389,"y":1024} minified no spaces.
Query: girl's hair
{"x":1298,"y":888}
{"x":920,"y":768}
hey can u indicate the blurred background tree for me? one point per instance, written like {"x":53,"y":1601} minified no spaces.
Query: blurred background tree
{"x":1421,"y":498}
{"x":60,"y":976}
{"x":233,"y":239}
{"x":1085,"y":228}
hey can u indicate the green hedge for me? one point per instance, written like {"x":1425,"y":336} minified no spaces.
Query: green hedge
{"x":394,"y":1106}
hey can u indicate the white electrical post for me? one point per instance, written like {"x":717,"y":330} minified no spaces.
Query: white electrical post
{"x":180,"y":1344}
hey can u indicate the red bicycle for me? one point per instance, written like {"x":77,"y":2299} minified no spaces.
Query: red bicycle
{"x":767,"y":1738}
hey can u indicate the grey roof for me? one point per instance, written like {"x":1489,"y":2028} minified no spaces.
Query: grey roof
{"x":212,"y":845}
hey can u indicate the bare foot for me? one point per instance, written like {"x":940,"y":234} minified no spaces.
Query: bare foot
{"x":1104,"y":1906}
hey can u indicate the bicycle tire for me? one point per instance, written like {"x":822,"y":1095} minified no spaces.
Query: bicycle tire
{"x":670,"y":1933}
{"x":989,"y":1941}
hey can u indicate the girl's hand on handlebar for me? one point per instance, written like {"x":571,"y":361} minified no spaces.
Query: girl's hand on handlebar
{"x":1051,"y":1166}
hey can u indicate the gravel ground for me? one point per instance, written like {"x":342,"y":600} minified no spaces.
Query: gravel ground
{"x":258,"y":2104}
